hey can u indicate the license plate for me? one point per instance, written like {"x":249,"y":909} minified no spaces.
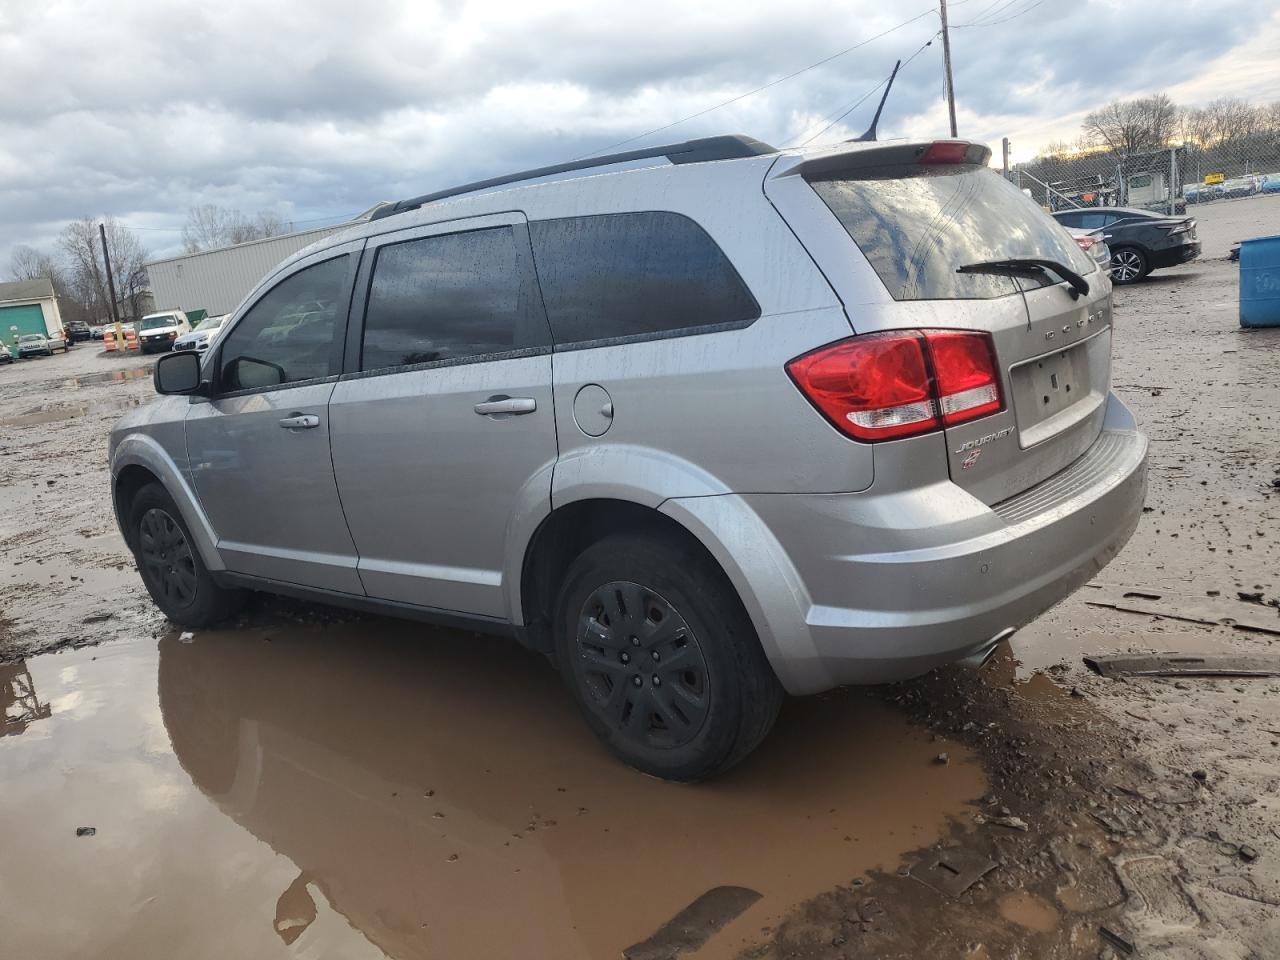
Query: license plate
{"x":1046,"y":388}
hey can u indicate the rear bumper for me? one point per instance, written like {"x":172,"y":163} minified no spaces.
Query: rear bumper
{"x":1172,"y":256}
{"x":887,"y":587}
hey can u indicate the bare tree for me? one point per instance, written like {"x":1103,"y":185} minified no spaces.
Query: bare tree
{"x":1230,"y":118}
{"x":85,"y":277}
{"x":28,"y":263}
{"x":209,"y":226}
{"x":1128,"y":127}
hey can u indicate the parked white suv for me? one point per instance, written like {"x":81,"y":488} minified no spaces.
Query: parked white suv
{"x":738,"y":422}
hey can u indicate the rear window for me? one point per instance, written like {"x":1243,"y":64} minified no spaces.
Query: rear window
{"x":916,"y":225}
{"x":634,"y":274}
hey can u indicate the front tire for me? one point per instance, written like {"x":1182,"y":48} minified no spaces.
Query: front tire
{"x":1128,"y":265}
{"x":170,"y":565}
{"x":655,"y":646}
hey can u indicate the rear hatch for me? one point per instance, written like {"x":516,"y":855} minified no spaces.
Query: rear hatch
{"x":917,"y":223}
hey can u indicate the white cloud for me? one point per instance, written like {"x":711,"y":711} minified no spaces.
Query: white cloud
{"x":143,"y":109}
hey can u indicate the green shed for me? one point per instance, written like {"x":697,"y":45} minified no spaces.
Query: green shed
{"x":28,"y":306}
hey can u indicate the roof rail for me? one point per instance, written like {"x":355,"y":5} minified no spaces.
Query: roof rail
{"x":731,"y":147}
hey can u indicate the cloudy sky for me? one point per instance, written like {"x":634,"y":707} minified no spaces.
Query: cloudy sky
{"x":316,"y":109}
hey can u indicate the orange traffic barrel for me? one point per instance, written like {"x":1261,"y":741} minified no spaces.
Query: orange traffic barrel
{"x":131,"y":338}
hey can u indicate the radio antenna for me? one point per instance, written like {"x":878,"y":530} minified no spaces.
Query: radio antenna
{"x":870,"y":135}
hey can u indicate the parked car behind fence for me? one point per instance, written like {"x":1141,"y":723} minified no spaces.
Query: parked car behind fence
{"x":1140,"y":240}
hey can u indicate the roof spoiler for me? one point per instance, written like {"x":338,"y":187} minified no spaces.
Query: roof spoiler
{"x":928,"y":152}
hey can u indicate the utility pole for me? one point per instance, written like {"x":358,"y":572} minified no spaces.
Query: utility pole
{"x":111,"y":286}
{"x":946,"y":63}
{"x":1004,"y":150}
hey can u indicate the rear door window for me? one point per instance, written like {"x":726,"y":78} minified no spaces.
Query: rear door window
{"x":454,"y":296}
{"x":634,"y":275}
{"x":916,"y":225}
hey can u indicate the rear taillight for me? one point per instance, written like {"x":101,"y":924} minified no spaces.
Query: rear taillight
{"x":964,"y":370}
{"x":1086,"y":243}
{"x":884,"y":386}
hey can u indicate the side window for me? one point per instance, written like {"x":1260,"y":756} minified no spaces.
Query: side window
{"x":1092,"y":221}
{"x":288,"y":335}
{"x":1068,"y":219}
{"x":447,"y":297}
{"x":623,"y":274}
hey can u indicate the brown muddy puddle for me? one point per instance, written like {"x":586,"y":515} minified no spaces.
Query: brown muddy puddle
{"x":57,"y":412}
{"x":366,"y":790}
{"x":134,"y":373}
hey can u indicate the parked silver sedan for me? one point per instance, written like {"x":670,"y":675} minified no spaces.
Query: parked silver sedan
{"x":35,"y":345}
{"x":1093,"y":243}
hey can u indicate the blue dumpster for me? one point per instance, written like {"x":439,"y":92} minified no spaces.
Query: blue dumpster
{"x":1260,"y":282}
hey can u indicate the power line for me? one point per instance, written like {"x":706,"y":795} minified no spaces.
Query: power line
{"x":979,"y":16}
{"x":751,"y":93}
{"x":1012,"y":16}
{"x":340,"y":217}
{"x":992,"y":10}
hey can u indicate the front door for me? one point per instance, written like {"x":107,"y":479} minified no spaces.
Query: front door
{"x":443,"y":433}
{"x":259,"y":446}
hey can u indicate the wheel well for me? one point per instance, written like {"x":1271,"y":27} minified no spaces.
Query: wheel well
{"x":564,"y":534}
{"x":130,"y":480}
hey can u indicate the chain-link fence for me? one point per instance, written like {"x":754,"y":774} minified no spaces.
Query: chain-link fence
{"x":1166,"y":180}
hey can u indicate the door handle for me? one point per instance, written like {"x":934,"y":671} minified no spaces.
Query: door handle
{"x":300,"y":421}
{"x":506,"y":406}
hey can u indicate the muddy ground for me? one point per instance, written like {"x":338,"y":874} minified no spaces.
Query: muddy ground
{"x":306,"y":783}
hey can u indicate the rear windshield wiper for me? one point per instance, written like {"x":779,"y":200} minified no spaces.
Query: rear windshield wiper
{"x":1030,"y":267}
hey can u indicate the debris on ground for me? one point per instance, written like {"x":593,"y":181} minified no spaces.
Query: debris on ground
{"x":693,"y":926}
{"x":1182,"y":665}
{"x":952,"y":871}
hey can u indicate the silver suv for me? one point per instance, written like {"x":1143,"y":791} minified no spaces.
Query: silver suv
{"x":703,"y":424}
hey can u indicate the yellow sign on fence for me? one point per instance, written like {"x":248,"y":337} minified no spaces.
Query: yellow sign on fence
{"x":1212,"y":178}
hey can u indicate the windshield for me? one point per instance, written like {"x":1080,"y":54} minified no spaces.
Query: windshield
{"x":917,"y":224}
{"x":30,"y":338}
{"x":210,"y":323}
{"x":155,"y":323}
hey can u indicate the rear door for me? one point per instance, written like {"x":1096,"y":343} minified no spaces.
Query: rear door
{"x":259,"y":446}
{"x":443,"y":428}
{"x":916,"y":225}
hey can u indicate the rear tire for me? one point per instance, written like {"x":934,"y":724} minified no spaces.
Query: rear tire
{"x":657,"y":649}
{"x":1128,"y":265}
{"x":170,"y":565}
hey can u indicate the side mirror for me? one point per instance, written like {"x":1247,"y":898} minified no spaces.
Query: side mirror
{"x":178,"y":373}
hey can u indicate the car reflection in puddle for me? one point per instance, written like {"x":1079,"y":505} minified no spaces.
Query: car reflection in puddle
{"x":448,"y":801}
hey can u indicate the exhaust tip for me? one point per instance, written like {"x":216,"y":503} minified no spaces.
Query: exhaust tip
{"x":978,"y":660}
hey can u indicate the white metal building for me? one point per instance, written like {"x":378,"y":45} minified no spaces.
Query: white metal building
{"x":217,"y":280}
